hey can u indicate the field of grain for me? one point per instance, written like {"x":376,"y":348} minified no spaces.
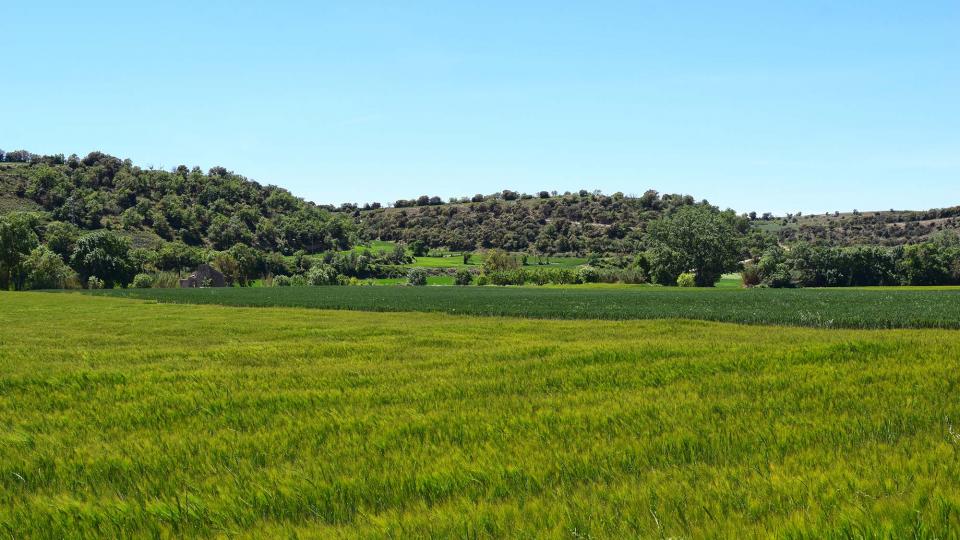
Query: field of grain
{"x":825,"y":308}
{"x":131,"y":418}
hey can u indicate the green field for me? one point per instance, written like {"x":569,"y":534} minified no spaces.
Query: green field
{"x":851,"y":308}
{"x":126,"y":418}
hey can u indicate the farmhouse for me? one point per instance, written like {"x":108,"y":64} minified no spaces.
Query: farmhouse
{"x":204,"y":276}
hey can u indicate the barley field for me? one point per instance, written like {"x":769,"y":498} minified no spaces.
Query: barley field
{"x":131,"y":418}
{"x":824,"y":308}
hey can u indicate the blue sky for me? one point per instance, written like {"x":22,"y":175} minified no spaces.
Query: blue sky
{"x":769,"y":106}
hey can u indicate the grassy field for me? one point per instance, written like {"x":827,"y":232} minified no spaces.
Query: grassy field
{"x":129,"y":418}
{"x":850,"y":308}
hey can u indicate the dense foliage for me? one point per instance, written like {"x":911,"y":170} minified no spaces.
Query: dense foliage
{"x":216,"y":209}
{"x":934,"y":262}
{"x":573,"y":223}
{"x":887,"y":228}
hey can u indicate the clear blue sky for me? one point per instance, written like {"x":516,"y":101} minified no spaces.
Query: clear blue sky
{"x":766,"y":105}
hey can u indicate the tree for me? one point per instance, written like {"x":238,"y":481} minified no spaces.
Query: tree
{"x":103,"y":254}
{"x":227,"y":265}
{"x":177,"y":256}
{"x":45,"y":269}
{"x":498,"y":260}
{"x":61,"y":238}
{"x":419,"y":248}
{"x":17,"y":240}
{"x":249,"y":262}
{"x":694,"y":239}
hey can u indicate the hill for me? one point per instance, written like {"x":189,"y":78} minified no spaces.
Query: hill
{"x":216,"y":209}
{"x":580,"y":223}
{"x":884,"y":228}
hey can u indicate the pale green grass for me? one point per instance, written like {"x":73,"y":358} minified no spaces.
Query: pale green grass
{"x":125,"y":418}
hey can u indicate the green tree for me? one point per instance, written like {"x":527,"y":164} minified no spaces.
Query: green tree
{"x":177,"y":256}
{"x":103,"y":254}
{"x":45,"y":269}
{"x":694,"y":239}
{"x":249,"y":263}
{"x":17,"y":240}
{"x":498,"y":260}
{"x":61,"y":238}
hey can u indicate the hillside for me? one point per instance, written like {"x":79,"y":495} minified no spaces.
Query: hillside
{"x":581,"y":222}
{"x":885,"y":228}
{"x":214,"y":209}
{"x":218,"y":209}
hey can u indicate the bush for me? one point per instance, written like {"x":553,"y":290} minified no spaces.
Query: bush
{"x":417,"y":277}
{"x":563,"y":276}
{"x":508,"y":277}
{"x":142,"y":281}
{"x":281,"y":281}
{"x":686,"y":279}
{"x":483,"y":280}
{"x":94,"y":283}
{"x":750,"y":275}
{"x":463,"y":277}
{"x":322,"y":274}
{"x":540,"y":277}
{"x":166,"y":280}
{"x":588,"y":274}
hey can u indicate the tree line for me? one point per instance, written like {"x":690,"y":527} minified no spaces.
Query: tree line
{"x":933,"y":262}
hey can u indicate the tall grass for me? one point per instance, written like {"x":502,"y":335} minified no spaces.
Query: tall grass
{"x":128,"y":419}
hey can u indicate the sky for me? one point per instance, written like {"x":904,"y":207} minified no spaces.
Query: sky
{"x":771,"y":105}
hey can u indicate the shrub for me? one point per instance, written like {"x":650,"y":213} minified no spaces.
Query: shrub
{"x":94,"y":283}
{"x":508,"y":277}
{"x":588,"y":274}
{"x":563,"y":276}
{"x":686,"y":279}
{"x":417,"y":277}
{"x":281,"y":281}
{"x":142,"y":281}
{"x":463,"y":277}
{"x":298,"y":281}
{"x":750,"y":275}
{"x":540,"y":277}
{"x":322,"y":274}
{"x":166,"y":280}
{"x":483,"y":280}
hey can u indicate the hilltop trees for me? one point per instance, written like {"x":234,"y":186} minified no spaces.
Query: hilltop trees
{"x":580,"y":222}
{"x":218,"y":209}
